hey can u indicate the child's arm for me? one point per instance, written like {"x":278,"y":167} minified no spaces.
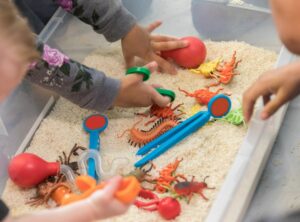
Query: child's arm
{"x":284,"y":83}
{"x":107,"y":17}
{"x":100,"y":205}
{"x":84,"y":86}
{"x":287,"y":19}
{"x":90,"y":88}
{"x":110,"y":18}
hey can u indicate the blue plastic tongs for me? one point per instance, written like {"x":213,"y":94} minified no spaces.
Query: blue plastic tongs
{"x":218,"y":107}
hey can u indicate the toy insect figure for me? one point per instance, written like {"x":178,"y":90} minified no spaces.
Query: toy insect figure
{"x":142,"y":174}
{"x":202,"y":96}
{"x":167,"y":177}
{"x":169,"y":208}
{"x":150,"y":205}
{"x":66,"y":160}
{"x":235,"y":117}
{"x":207,"y":69}
{"x":188,"y":188}
{"x":46,"y":190}
{"x":141,"y":137}
{"x":226,"y":71}
{"x":194,"y":109}
{"x":163,"y":112}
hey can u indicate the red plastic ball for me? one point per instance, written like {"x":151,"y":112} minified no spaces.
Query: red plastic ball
{"x":189,"y":57}
{"x":28,"y":170}
{"x":169,"y":208}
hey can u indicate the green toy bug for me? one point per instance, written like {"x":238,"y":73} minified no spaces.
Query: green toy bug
{"x":235,"y":117}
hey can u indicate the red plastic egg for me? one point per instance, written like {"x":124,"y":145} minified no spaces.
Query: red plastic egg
{"x":28,"y":170}
{"x":189,"y":57}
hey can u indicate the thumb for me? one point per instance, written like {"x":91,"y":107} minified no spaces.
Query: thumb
{"x":160,"y":100}
{"x":153,"y":26}
{"x":112,"y":186}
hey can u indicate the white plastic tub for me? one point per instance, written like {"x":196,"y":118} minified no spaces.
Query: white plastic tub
{"x":216,"y":20}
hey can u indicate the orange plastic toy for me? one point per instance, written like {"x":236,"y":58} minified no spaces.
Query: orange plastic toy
{"x":226,"y":71}
{"x":127,"y":192}
{"x":202,"y":96}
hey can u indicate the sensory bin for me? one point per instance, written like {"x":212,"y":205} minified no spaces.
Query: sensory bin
{"x":208,"y":152}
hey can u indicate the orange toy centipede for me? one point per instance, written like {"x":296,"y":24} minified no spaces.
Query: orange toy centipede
{"x":141,"y":137}
{"x":167,"y":177}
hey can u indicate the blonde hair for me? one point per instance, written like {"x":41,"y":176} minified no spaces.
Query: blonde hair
{"x":15,"y":28}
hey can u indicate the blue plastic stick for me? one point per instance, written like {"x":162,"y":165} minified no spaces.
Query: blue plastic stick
{"x":175,"y":139}
{"x":94,"y":145}
{"x":145,"y":149}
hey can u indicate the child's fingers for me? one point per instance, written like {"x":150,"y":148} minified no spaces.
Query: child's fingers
{"x":169,"y":45}
{"x":260,"y":88}
{"x":248,"y":106}
{"x":138,"y":78}
{"x":152,"y":66}
{"x":160,"y":100}
{"x":112,"y":186}
{"x":134,"y":78}
{"x":249,"y":99}
{"x":129,"y":60}
{"x":274,"y":104}
{"x":163,"y":64}
{"x":153,"y":26}
{"x":162,"y":38}
{"x":266,"y":98}
{"x":156,"y":85}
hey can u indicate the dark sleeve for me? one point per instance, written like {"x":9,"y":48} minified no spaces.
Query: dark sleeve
{"x":84,"y":86}
{"x":107,"y":17}
{"x":3,"y":210}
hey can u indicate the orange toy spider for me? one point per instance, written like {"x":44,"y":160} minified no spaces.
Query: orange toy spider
{"x":226,"y":71}
{"x":202,"y":95}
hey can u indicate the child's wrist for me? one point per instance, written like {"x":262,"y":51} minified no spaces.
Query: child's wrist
{"x":295,"y":70}
{"x":90,"y":210}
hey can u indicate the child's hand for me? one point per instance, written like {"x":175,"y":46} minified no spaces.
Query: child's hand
{"x":138,"y":42}
{"x":103,"y":203}
{"x":135,"y":93}
{"x":283,"y":82}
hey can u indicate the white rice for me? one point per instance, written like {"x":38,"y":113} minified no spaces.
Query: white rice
{"x":208,"y":152}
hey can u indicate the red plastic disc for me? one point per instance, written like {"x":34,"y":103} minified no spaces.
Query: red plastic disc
{"x":95,"y":122}
{"x":220,"y":107}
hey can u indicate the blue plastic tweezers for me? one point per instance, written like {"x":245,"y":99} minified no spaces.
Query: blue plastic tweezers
{"x":178,"y":133}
